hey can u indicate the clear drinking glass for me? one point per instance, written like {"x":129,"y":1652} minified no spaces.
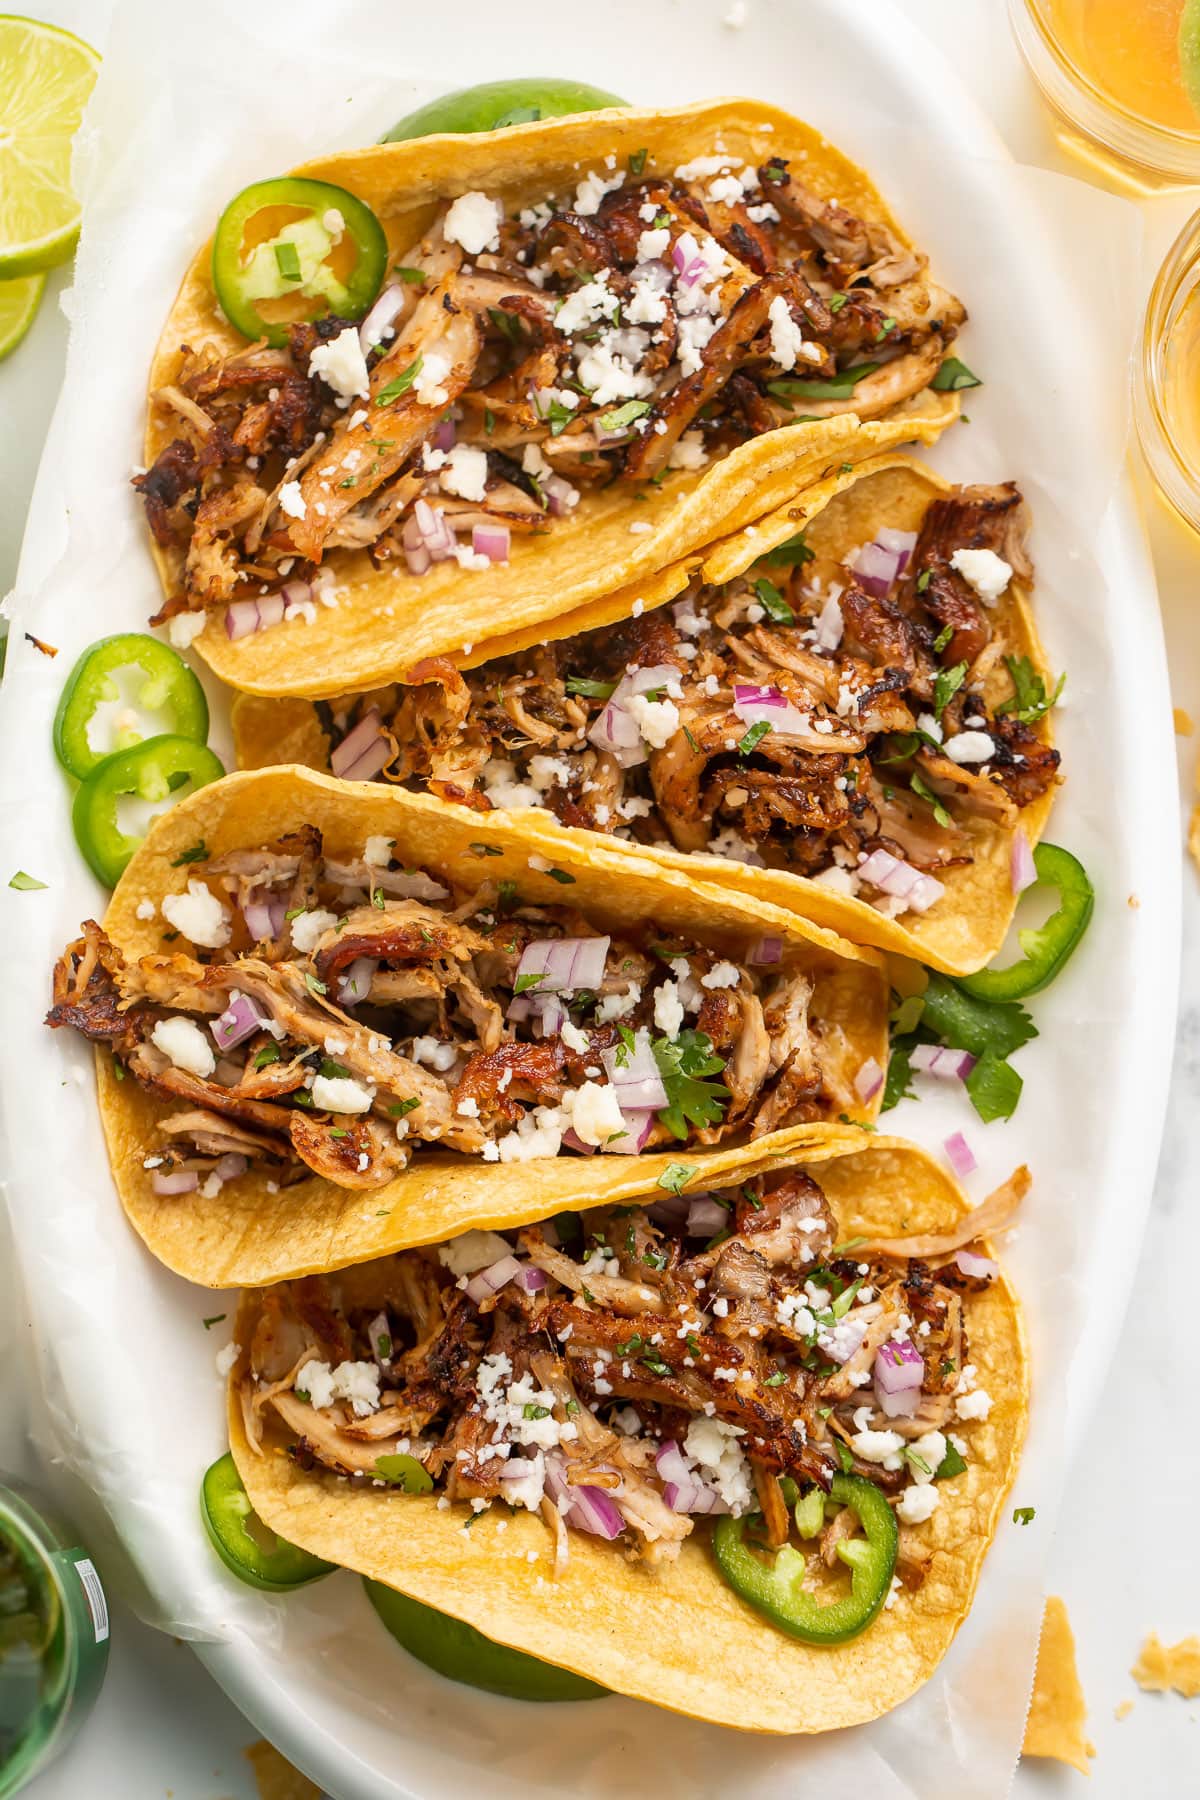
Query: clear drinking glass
{"x":1123,"y":78}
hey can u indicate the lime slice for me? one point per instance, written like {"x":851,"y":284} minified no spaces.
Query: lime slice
{"x":461,"y":1653}
{"x":19,"y":301}
{"x":494,"y":104}
{"x":46,"y":76}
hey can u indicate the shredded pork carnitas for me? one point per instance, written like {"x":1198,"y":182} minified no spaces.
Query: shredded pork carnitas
{"x":334,"y":1016}
{"x":631,"y":1369}
{"x":884,"y":741}
{"x":644,"y":324}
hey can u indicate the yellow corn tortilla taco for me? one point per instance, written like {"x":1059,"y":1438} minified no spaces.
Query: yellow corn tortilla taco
{"x":834,"y":720}
{"x":330,"y":1013}
{"x":636,"y":1390}
{"x":515,"y":449}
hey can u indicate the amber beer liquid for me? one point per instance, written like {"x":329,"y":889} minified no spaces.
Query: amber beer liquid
{"x":1124,"y":78}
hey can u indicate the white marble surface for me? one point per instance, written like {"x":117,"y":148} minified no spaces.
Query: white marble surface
{"x":162,"y":1728}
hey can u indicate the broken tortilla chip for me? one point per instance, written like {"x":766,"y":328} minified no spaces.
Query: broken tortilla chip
{"x":1162,"y":1668}
{"x":276,"y":1778}
{"x":1058,"y":1710}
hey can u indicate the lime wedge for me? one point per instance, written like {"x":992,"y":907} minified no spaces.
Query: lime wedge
{"x":494,"y":104}
{"x":1189,"y":52}
{"x":46,"y":76}
{"x":19,"y":301}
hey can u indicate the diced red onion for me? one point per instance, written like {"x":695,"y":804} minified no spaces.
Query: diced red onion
{"x":520,"y":1008}
{"x":588,"y":1508}
{"x":900,"y":543}
{"x":174,"y":1181}
{"x":830,"y":624}
{"x":875,"y":569}
{"x":960,"y":1155}
{"x":635,"y":1075}
{"x":892,"y":876}
{"x":492,"y":541}
{"x":616,"y":729}
{"x":899,"y":1371}
{"x":1021,"y":868}
{"x":637,"y":1130}
{"x":265,"y":919}
{"x":240,"y":1020}
{"x":437,"y":534}
{"x":672,"y":1210}
{"x":670,"y":1462}
{"x":564,"y":964}
{"x":573,"y":1141}
{"x":355,"y":984}
{"x":766,"y":705}
{"x":531,"y":1280}
{"x":947,"y":1065}
{"x":363,"y":751}
{"x":693,"y":1496}
{"x":230,"y":1166}
{"x":376,"y":322}
{"x":549,"y":1017}
{"x":769,"y":949}
{"x":869,"y":1079}
{"x":489,"y":1281}
{"x":272,"y":607}
{"x":241,"y":618}
{"x":379,"y":1336}
{"x":706,"y":1216}
{"x":444,"y":434}
{"x":981,"y":1267}
{"x":293,"y":594}
{"x":688,"y":268}
{"x":560,"y":495}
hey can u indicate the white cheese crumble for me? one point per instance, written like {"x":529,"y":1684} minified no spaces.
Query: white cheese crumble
{"x":291,"y":500}
{"x":596,"y":1113}
{"x":357,"y":1382}
{"x":185,"y":1046}
{"x":714,"y":1447}
{"x":976,"y":1405}
{"x":308,"y":927}
{"x":970,"y":747}
{"x":986,"y":572}
{"x":618,"y":1006}
{"x":434,"y":1052}
{"x":199,"y":915}
{"x":342,"y":366}
{"x":340,"y":1094}
{"x":721,"y":975}
{"x":377,"y":851}
{"x":668,"y":1009}
{"x":427,"y":383}
{"x":916,"y":1504}
{"x":878,"y":1447}
{"x":185,"y":628}
{"x":656,"y":720}
{"x":688,"y":453}
{"x":473,"y":220}
{"x":465,"y":472}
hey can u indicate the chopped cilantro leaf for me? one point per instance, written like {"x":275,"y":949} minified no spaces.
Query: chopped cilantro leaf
{"x":1024,"y":1515}
{"x":980,"y":1026}
{"x":197,"y":853}
{"x":485,"y":849}
{"x":1030,"y":700}
{"x":922,"y":788}
{"x":773,"y":602}
{"x":267,"y":1055}
{"x":215,"y":1320}
{"x":946,"y":685}
{"x":675,"y":1176}
{"x":637,"y":161}
{"x":754,"y":737}
{"x":898,"y":1085}
{"x":947,"y":632}
{"x":994,"y":1088}
{"x":954,"y":375}
{"x":953,"y":1463}
{"x":400,"y":384}
{"x":685,"y":1064}
{"x":592,"y":690}
{"x":622,"y":416}
{"x":25,"y":884}
{"x":527,"y":981}
{"x":400,"y":1107}
{"x":561,"y":875}
{"x":792,"y":553}
{"x":839,"y":387}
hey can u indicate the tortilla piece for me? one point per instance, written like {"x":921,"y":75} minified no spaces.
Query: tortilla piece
{"x":963,"y":930}
{"x":246,"y":1235}
{"x":1057,"y":1709}
{"x":672,"y":1636}
{"x":276,"y":1778}
{"x":358,"y":644}
{"x":1161,"y":1668}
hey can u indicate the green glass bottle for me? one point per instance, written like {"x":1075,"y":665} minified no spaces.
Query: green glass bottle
{"x":54,"y":1635}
